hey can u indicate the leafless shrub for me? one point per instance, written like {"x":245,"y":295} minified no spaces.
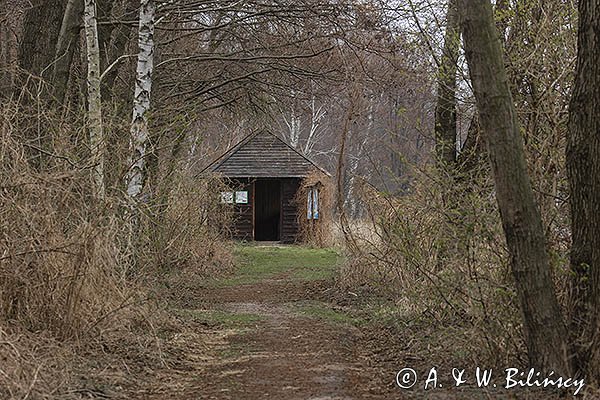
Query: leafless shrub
{"x":59,"y":259}
{"x":439,"y":252}
{"x":184,"y":231}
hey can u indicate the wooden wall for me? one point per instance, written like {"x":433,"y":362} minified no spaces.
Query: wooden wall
{"x":243,"y":225}
{"x":289,"y":220}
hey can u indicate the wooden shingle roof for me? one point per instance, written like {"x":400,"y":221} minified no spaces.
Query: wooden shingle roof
{"x":263,"y":155}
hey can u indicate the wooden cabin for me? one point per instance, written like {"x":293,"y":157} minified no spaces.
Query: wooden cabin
{"x":265,"y":174}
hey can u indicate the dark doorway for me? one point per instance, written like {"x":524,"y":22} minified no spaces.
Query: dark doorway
{"x":267,"y":209}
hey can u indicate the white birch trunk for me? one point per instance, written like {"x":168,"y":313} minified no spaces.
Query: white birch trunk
{"x":316,"y":115}
{"x":139,"y":138}
{"x":294,"y":129}
{"x":351,"y":200}
{"x":293,"y":124}
{"x":94,"y":115}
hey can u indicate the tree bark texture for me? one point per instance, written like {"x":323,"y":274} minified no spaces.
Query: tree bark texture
{"x":545,"y":332}
{"x":445,"y":110}
{"x":41,"y":28}
{"x":105,"y":30}
{"x":65,"y":48}
{"x":8,"y":45}
{"x":115,"y":42}
{"x":139,"y":138}
{"x":583,"y":167}
{"x":94,"y":101}
{"x":472,"y":153}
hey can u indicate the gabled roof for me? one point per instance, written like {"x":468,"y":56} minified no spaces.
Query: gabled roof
{"x":263,"y":155}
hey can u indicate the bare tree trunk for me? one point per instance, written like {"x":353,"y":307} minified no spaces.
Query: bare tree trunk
{"x":7,"y":45}
{"x":341,"y":161}
{"x":348,"y":123}
{"x":65,"y":47}
{"x":472,"y":152}
{"x":116,"y":43}
{"x":141,"y":101}
{"x":545,"y":332}
{"x":316,"y":115}
{"x":293,"y":123}
{"x":105,"y":8}
{"x":93,"y":98}
{"x":445,"y":110}
{"x":41,"y":28}
{"x":583,"y":166}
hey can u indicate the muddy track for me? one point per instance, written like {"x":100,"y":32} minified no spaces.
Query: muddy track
{"x":277,"y":328}
{"x":282,"y":355}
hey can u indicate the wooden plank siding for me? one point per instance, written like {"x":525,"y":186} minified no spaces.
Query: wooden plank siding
{"x":243,"y":222}
{"x":243,"y":219}
{"x":289,"y":222}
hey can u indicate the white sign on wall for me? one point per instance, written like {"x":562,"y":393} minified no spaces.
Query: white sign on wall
{"x":241,"y":197}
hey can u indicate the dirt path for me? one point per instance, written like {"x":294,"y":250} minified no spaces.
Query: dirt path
{"x":286,"y":355}
{"x":276,"y":337}
{"x":275,"y":332}
{"x":283,"y":354}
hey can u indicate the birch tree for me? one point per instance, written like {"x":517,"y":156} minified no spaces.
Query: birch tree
{"x":293,"y":122}
{"x":317,"y":113}
{"x":139,"y":134}
{"x":94,"y":117}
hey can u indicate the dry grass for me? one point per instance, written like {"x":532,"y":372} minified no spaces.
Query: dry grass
{"x":439,"y":253}
{"x":184,"y":230}
{"x":59,"y":257}
{"x":61,"y":266}
{"x":34,"y":366}
{"x":69,"y":298}
{"x":360,"y":228}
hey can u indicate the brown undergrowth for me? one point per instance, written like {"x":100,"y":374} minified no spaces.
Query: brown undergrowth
{"x":316,"y":232}
{"x":431,"y":274}
{"x":71,"y":300}
{"x":437,"y":254}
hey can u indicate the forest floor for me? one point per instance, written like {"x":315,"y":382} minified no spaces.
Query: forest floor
{"x":275,"y":329}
